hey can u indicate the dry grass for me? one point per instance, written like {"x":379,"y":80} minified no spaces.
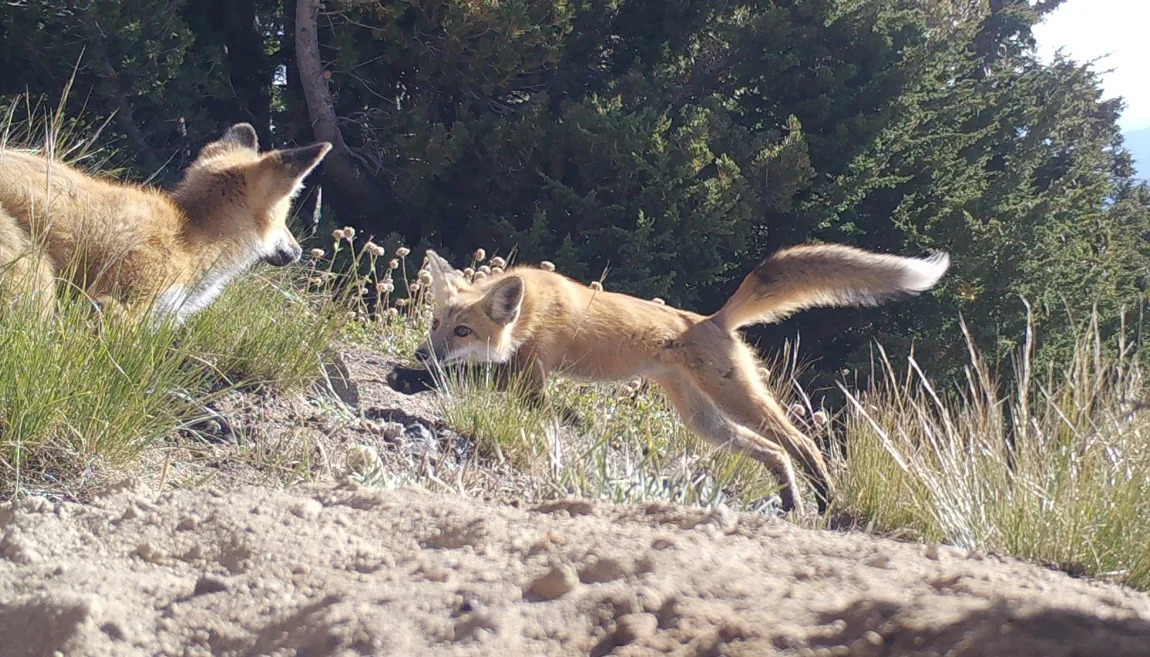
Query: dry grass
{"x":1055,"y":470}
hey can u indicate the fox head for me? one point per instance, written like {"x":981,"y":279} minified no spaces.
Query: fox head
{"x":238,"y":199}
{"x":471,"y":321}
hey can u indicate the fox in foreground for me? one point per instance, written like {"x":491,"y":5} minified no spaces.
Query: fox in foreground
{"x":133,"y":247}
{"x":538,"y":322}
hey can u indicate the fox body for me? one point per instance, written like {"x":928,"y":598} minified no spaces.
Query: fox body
{"x":540,"y":323}
{"x":140,"y":247}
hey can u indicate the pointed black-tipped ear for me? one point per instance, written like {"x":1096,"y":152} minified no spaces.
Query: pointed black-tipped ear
{"x":242,"y":135}
{"x":298,"y":162}
{"x":504,"y":299}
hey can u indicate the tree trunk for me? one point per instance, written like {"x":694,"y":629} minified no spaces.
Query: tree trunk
{"x":340,"y":168}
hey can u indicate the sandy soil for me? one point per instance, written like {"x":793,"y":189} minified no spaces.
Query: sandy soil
{"x":345,"y":570}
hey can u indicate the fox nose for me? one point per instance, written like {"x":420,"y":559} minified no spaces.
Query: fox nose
{"x":423,"y":353}
{"x":284,"y":255}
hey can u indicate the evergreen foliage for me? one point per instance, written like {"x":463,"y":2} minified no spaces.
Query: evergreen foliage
{"x":670,"y":143}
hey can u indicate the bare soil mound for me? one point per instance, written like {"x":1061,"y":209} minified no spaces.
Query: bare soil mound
{"x":352,"y":571}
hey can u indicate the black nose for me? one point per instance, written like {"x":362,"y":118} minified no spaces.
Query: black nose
{"x":283,"y":257}
{"x":422,"y":353}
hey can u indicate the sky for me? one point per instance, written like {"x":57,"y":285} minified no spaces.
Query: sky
{"x":1119,"y":31}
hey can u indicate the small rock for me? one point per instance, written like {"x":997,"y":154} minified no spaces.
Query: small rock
{"x":559,"y":580}
{"x":932,"y":551}
{"x":307,"y":509}
{"x":186,"y":524}
{"x":149,"y":553}
{"x":14,"y":548}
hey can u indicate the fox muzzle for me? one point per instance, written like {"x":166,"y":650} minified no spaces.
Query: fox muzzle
{"x":284,"y":255}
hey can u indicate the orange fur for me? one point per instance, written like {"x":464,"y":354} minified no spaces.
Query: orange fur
{"x":143,"y":247}
{"x":543,"y":323}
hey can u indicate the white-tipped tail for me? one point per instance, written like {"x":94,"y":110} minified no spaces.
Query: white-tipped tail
{"x":923,"y":273}
{"x":825,"y":275}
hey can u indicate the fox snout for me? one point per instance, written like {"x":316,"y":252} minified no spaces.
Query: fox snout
{"x":284,"y":254}
{"x":423,"y":353}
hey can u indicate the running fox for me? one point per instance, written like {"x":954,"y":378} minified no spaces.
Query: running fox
{"x":538,"y":322}
{"x":138,"y":247}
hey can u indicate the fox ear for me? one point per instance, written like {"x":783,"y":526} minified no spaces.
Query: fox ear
{"x":239,"y":137}
{"x":298,"y":162}
{"x":445,"y":279}
{"x":242,"y":135}
{"x":284,"y":170}
{"x":504,"y":299}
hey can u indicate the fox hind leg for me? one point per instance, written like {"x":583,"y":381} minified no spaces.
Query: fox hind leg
{"x":701,"y":415}
{"x":721,"y":364}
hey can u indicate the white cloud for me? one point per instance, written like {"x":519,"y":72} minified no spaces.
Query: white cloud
{"x":1115,"y":30}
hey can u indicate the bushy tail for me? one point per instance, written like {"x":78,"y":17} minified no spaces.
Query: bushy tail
{"x":811,"y":276}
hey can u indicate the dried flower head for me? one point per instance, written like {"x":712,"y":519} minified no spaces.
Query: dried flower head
{"x":414,"y":287}
{"x":469,"y":272}
{"x":393,"y":264}
{"x":315,"y":281}
{"x":485,"y":270}
{"x":796,"y":410}
{"x":337,"y":234}
{"x":820,"y":418}
{"x":374,"y":250}
{"x":498,"y":262}
{"x":316,"y":253}
{"x":348,"y":233}
{"x":479,"y":276}
{"x":401,"y":302}
{"x":386,"y":287}
{"x":402,"y":251}
{"x":392,"y":313}
{"x":597,"y":286}
{"x":547,"y":265}
{"x":496,"y":270}
{"x":425,"y":277}
{"x":480,"y":255}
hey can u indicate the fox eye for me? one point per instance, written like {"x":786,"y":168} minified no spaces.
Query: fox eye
{"x":434,"y":323}
{"x":462,"y":331}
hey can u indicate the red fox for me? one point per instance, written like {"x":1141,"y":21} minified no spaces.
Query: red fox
{"x":138,"y":247}
{"x":538,"y":323}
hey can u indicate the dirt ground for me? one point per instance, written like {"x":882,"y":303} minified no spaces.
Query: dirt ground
{"x":346,"y":570}
{"x":225,"y":561}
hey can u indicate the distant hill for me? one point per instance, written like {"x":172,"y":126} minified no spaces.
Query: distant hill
{"x":1138,"y":141}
